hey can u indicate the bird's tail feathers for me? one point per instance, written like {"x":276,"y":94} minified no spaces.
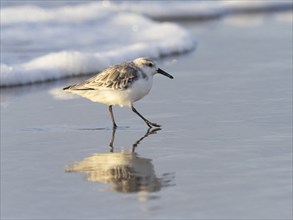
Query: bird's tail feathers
{"x":66,"y":88}
{"x":77,"y":87}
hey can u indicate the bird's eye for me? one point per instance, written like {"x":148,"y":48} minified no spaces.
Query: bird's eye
{"x":150,"y":64}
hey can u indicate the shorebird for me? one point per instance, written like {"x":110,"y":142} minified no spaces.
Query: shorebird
{"x":121,"y":84}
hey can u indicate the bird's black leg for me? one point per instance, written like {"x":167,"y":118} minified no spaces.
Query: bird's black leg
{"x":150,"y":124}
{"x":112,"y":117}
{"x":111,"y":145}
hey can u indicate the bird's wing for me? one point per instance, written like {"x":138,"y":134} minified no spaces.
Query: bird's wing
{"x":115,"y":77}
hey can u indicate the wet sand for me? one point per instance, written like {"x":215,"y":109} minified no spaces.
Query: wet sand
{"x":224,"y":150}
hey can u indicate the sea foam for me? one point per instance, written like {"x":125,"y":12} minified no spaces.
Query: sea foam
{"x":43,"y":42}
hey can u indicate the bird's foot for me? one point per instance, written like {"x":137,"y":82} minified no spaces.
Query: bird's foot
{"x":153,"y":130}
{"x":151,"y":124}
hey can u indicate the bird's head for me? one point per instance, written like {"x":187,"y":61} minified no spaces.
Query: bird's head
{"x":149,"y":67}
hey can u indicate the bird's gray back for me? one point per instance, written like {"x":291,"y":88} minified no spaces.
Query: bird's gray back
{"x":119,"y":76}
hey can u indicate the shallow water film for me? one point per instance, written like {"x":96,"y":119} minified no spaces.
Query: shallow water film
{"x":224,"y":150}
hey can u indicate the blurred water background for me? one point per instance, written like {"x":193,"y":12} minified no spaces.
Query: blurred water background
{"x":225,"y":148}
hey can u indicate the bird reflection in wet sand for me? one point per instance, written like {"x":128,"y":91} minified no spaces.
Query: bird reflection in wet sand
{"x":125,"y":171}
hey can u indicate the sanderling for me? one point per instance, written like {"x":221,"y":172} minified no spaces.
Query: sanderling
{"x":121,"y":84}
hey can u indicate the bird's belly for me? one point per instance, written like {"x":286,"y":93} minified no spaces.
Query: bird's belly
{"x":117,"y":97}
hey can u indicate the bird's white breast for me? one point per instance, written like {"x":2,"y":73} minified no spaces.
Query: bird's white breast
{"x":139,"y":89}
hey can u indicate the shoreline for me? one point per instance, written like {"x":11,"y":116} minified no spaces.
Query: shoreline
{"x":225,"y":144}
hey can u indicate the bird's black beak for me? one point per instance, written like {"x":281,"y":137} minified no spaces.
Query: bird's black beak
{"x":164,"y":73}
